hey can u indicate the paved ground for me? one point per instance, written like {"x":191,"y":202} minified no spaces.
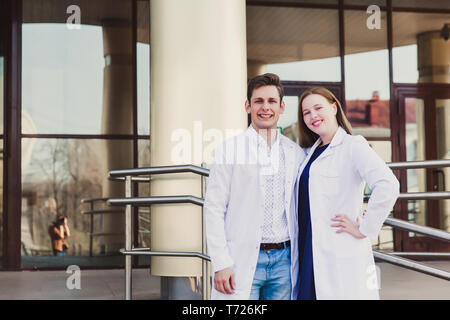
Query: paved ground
{"x":396,"y":283}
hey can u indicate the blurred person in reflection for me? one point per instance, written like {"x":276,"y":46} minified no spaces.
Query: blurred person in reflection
{"x":335,"y":251}
{"x":59,"y":232}
{"x":251,"y":228}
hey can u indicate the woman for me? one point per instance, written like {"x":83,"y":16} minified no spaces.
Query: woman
{"x":335,"y":252}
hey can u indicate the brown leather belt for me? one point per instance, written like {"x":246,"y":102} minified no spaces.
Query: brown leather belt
{"x":275,"y":246}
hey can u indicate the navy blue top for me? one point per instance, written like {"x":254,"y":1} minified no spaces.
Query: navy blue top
{"x":307,"y":290}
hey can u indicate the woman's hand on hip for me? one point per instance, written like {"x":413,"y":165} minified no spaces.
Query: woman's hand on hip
{"x":347,"y":225}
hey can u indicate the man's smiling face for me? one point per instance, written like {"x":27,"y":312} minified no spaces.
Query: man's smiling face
{"x":265,"y":107}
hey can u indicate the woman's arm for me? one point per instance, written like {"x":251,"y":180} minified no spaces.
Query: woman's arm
{"x":380,"y":179}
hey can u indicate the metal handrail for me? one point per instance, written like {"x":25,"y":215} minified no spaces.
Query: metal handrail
{"x":129,"y":175}
{"x":412,"y":265}
{"x":146,"y":201}
{"x":148,"y":252}
{"x":119,"y":175}
{"x":412,"y":227}
{"x":92,"y":212}
{"x":428,"y":164}
{"x":420,"y":196}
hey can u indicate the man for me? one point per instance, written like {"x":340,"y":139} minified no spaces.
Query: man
{"x":251,"y":223}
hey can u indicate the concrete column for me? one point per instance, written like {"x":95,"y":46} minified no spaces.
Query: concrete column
{"x":198,"y":89}
{"x":433,"y":57}
{"x":434,"y":66}
{"x":117,"y":118}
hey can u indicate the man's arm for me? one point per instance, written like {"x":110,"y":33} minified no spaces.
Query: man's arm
{"x":215,"y":207}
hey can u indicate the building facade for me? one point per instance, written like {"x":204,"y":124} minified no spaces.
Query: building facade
{"x":91,"y":86}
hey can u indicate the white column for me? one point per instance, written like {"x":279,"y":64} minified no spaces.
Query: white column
{"x":198,"y":86}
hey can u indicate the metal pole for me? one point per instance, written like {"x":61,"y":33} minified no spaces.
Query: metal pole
{"x":412,"y":265}
{"x":412,"y":227}
{"x":92,"y":230}
{"x":128,"y":235}
{"x":205,"y":273}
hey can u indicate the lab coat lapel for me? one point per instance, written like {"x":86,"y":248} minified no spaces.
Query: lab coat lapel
{"x":308,"y":156}
{"x":289,"y":157}
{"x":337,"y":140}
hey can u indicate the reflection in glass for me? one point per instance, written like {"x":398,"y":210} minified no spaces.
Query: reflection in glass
{"x":143,"y":67}
{"x":1,"y":198}
{"x":144,"y":191}
{"x":437,"y":4}
{"x":288,"y":120}
{"x":302,"y":45}
{"x":306,"y":1}
{"x":383,"y":149}
{"x":365,"y":2}
{"x":63,"y":81}
{"x":415,"y":151}
{"x":443,"y":144}
{"x":2,"y":66}
{"x":418,"y":49}
{"x":59,"y":174}
{"x":366,"y":75}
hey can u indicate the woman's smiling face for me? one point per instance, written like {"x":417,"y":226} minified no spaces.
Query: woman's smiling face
{"x":319,"y":115}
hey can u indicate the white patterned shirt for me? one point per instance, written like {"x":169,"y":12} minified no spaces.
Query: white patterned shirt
{"x":273,"y":174}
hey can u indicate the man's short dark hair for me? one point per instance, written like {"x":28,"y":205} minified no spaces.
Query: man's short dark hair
{"x":267,"y":79}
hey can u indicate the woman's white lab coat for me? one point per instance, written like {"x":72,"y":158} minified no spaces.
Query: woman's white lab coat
{"x":234,"y":211}
{"x":344,"y":266}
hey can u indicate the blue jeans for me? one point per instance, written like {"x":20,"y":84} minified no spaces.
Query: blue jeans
{"x":272,"y":280}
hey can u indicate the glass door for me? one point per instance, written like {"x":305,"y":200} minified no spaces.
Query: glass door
{"x":423,"y":127}
{"x":2,"y":72}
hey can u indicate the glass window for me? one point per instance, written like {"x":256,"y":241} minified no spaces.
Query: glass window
{"x":383,"y":149}
{"x":365,"y":2}
{"x":56,"y":175}
{"x":1,"y":198}
{"x":144,"y":191}
{"x":2,"y":66}
{"x":419,"y":52}
{"x":433,"y":4}
{"x":67,"y":88}
{"x":443,"y":143}
{"x":143,"y":67}
{"x":303,"y":1}
{"x":415,"y":151}
{"x":288,"y":121}
{"x":302,"y":45}
{"x":367,"y":75}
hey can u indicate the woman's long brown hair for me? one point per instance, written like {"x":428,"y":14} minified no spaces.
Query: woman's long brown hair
{"x":306,"y":137}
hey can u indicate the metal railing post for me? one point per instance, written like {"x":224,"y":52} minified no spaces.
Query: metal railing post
{"x":128,"y":240}
{"x":205,"y":269}
{"x":91,"y":230}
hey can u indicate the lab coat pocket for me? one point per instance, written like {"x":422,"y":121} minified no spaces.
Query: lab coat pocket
{"x":329,"y":182}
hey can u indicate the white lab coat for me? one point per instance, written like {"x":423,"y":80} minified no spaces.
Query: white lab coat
{"x":234,"y":211}
{"x":344,"y":266}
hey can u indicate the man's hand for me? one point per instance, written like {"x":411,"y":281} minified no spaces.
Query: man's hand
{"x":224,"y":281}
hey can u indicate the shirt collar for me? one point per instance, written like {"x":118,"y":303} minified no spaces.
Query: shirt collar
{"x":263,"y":141}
